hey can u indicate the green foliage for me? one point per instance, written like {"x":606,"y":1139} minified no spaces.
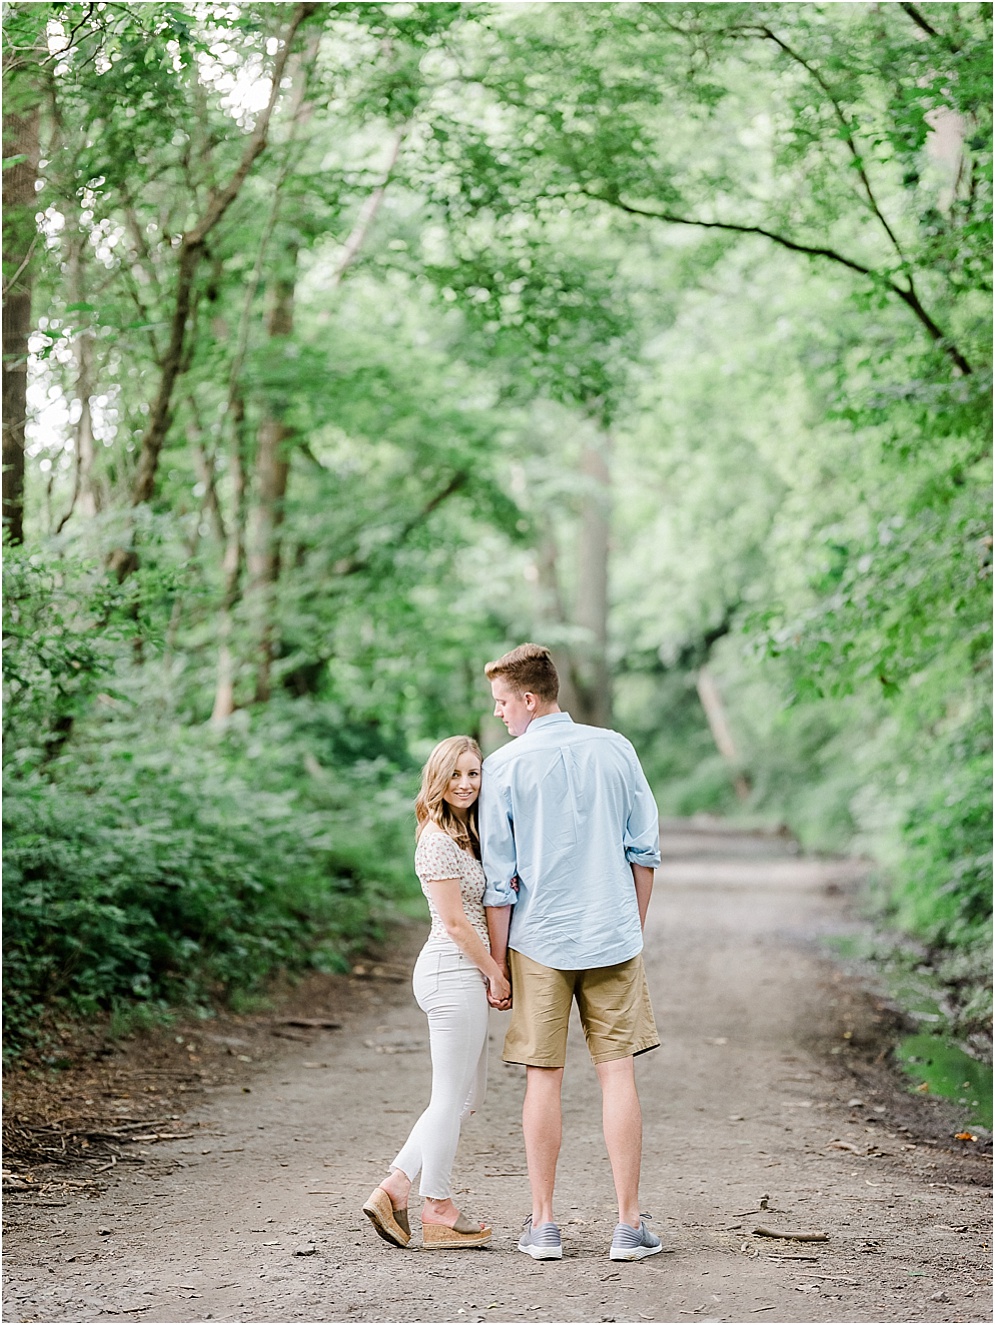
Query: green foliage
{"x":161,"y":864}
{"x":54,"y":660}
{"x":947,"y":872}
{"x":560,"y":325}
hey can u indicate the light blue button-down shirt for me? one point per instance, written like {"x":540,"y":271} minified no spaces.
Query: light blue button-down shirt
{"x":567,"y":809}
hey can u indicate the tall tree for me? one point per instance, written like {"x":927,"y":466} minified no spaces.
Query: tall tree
{"x":189,"y":255}
{"x":23,"y":47}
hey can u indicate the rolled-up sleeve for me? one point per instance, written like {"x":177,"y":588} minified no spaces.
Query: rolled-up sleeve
{"x":642,"y":828}
{"x":497,"y":842}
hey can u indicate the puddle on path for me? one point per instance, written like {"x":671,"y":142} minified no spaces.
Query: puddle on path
{"x":948,"y":1071}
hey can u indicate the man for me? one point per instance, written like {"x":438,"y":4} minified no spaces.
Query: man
{"x":570,"y":840}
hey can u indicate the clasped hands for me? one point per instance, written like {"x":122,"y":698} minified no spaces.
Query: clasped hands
{"x":499,"y":992}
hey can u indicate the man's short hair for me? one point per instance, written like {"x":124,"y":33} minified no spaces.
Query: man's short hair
{"x":529,"y":668}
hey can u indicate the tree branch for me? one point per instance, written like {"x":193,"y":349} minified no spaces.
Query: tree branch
{"x":353,"y":565}
{"x":9,"y":285}
{"x":221,"y":200}
{"x":252,"y":286}
{"x":849,"y":135}
{"x":908,"y":296}
{"x":367,"y":213}
{"x":71,"y":38}
{"x":920,"y":20}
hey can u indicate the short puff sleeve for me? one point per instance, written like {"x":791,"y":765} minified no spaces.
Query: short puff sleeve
{"x":438,"y":857}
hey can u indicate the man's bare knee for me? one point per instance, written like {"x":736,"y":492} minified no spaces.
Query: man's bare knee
{"x":543,"y":1078}
{"x":616,"y":1071}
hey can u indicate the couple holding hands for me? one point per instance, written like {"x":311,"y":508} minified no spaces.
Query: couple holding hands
{"x":538,"y":867}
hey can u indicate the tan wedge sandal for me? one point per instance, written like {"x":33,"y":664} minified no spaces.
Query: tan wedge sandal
{"x":464,"y":1233}
{"x":391,"y":1224}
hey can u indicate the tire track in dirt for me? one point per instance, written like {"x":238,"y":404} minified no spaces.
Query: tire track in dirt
{"x":748,"y":1121}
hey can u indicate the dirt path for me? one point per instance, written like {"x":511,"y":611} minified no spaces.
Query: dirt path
{"x":751,"y":1101}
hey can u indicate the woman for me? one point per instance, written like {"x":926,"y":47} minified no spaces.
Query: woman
{"x":450,"y":982}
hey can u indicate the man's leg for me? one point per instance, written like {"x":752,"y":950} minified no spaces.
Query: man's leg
{"x":623,"y":1125}
{"x":542,"y":1127}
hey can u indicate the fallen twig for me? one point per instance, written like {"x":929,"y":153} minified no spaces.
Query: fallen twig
{"x":9,"y":1196}
{"x":315,"y":1023}
{"x":791,"y":1236}
{"x":162,"y":1136}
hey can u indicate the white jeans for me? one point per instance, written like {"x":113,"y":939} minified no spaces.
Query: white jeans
{"x":450,"y":990}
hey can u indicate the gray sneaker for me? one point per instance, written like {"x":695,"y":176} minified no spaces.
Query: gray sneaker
{"x":541,"y":1243}
{"x":632,"y":1244}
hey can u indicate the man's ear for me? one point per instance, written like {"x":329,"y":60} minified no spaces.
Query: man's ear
{"x":531,"y":701}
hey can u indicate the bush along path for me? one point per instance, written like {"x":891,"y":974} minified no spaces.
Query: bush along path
{"x":770,"y":1109}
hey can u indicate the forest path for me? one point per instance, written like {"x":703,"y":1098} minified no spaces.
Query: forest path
{"x":258,"y":1218}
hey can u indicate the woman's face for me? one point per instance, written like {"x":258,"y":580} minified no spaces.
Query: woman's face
{"x":464,"y":785}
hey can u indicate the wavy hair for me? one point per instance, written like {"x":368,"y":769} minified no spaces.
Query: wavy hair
{"x":430,"y":807}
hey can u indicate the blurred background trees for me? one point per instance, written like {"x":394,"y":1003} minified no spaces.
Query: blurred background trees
{"x":347,"y":346}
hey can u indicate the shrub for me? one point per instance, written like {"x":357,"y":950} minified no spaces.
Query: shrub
{"x":173,"y":866}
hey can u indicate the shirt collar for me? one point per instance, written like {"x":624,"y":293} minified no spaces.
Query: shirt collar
{"x":548,"y":720}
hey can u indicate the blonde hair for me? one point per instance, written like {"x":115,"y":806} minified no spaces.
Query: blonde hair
{"x":430,"y":807}
{"x":529,"y":668}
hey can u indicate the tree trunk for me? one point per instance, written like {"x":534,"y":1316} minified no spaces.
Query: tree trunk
{"x":272,"y":452}
{"x":945,"y":145}
{"x":549,"y":608}
{"x":86,"y":494}
{"x":224,"y":695}
{"x":591,"y":669}
{"x":583,"y":667}
{"x":20,"y":139}
{"x":718,"y":724}
{"x":205,"y":463}
{"x":90,"y":500}
{"x":235,"y":541}
{"x":266,"y":519}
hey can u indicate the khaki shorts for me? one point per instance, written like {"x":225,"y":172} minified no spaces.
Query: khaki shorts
{"x":613,"y":1001}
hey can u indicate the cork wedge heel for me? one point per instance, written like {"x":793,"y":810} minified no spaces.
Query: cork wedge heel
{"x":391,"y":1224}
{"x":464,"y":1233}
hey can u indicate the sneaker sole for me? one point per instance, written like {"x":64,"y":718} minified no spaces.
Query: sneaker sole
{"x":543,"y":1253}
{"x":633,"y":1253}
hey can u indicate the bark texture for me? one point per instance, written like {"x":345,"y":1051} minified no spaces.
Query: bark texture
{"x":20,"y":140}
{"x":273,"y":474}
{"x":224,"y":694}
{"x":86,"y":496}
{"x":718,"y":725}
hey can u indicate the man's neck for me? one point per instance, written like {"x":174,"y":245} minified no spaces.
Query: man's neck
{"x":544,"y":712}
